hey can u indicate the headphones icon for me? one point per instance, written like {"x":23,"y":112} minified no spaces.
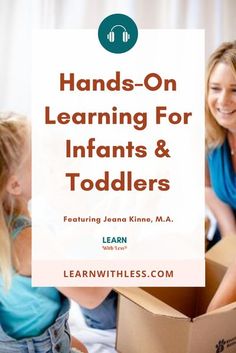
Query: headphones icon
{"x":111,"y":34}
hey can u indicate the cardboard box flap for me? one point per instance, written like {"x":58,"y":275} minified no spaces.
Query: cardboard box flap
{"x":224,"y":252}
{"x":223,"y":309}
{"x":150,"y":303}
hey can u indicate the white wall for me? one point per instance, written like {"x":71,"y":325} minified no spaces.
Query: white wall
{"x":19,"y":17}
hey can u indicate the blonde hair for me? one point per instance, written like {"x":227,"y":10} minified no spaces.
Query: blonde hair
{"x":226,"y":53}
{"x":13,"y":132}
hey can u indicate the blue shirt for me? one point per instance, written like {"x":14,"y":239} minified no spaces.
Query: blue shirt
{"x":27,"y":311}
{"x":222,"y":174}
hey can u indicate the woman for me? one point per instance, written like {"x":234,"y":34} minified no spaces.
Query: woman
{"x":221,"y":137}
{"x":221,"y":159}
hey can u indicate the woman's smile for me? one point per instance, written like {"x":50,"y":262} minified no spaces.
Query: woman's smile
{"x":222,"y":96}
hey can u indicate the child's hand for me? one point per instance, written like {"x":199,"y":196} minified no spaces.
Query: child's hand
{"x":77,"y":345}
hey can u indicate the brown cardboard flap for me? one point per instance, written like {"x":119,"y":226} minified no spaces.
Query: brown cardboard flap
{"x":224,"y":252}
{"x":209,"y":331}
{"x":140,"y":331}
{"x":149,"y":303}
{"x":182,"y":299}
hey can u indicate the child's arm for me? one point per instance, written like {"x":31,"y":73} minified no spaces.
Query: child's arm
{"x":22,"y":249}
{"x":89,"y":297}
{"x":226,"y":293}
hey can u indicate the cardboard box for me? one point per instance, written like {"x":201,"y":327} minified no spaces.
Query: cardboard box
{"x":173,"y":320}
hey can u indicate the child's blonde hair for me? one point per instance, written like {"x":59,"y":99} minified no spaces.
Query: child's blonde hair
{"x":14,"y":130}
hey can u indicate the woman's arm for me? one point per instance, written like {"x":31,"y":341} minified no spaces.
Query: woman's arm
{"x":222,"y":212}
{"x":226,"y":293}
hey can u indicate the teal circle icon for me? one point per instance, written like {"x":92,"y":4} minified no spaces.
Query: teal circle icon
{"x":118,"y":33}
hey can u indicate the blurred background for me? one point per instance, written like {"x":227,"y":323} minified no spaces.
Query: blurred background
{"x":19,"y":17}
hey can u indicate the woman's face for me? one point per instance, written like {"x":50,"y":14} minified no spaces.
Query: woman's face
{"x":222,"y":96}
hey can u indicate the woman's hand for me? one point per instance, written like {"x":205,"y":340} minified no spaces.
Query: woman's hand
{"x":226,"y":293}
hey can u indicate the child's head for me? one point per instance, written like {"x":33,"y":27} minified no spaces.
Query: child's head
{"x":15,"y":166}
{"x":15,"y":178}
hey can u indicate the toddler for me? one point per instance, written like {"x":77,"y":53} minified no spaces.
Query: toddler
{"x":31,"y":319}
